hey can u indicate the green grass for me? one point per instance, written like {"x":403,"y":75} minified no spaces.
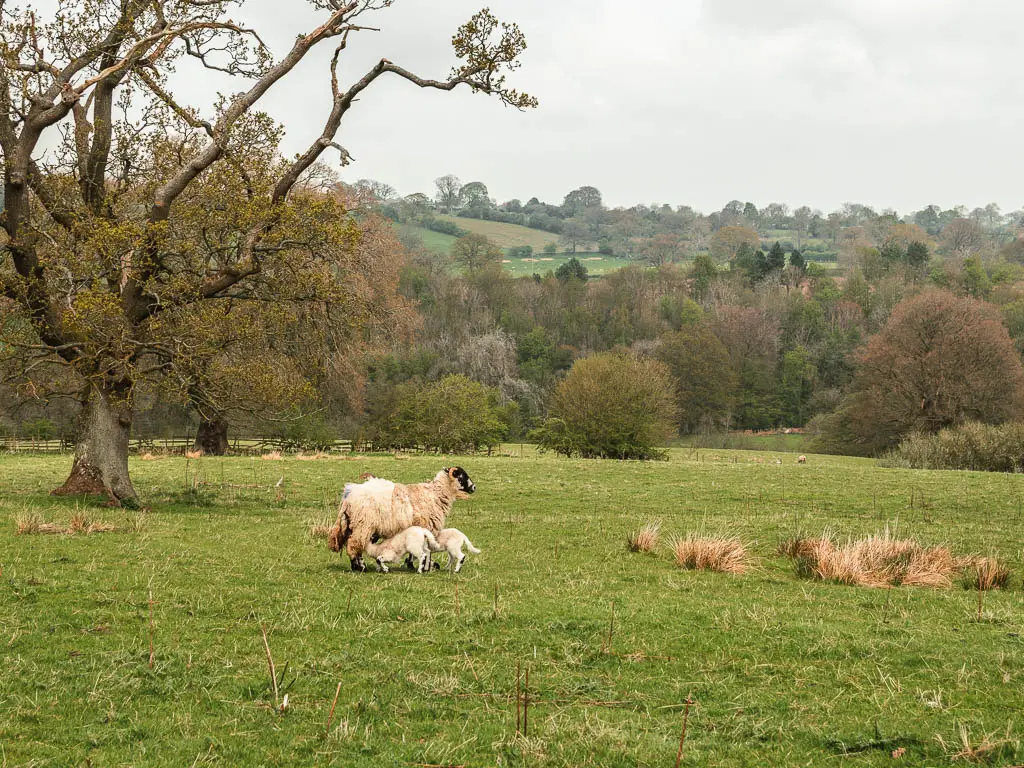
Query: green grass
{"x":783,"y":671}
{"x":432,"y":241}
{"x":505,"y":235}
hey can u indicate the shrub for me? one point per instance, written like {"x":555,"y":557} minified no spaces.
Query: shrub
{"x":449,"y":415}
{"x":973,"y":445}
{"x":612,"y":406}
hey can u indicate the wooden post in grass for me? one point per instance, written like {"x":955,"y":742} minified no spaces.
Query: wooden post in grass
{"x":682,"y":737}
{"x":526,"y":703}
{"x":519,"y":697}
{"x":330,"y":716}
{"x":611,"y":629}
{"x":270,"y":663}
{"x":151,"y":653}
{"x":495,"y":600}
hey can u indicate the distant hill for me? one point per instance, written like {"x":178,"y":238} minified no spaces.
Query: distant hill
{"x":505,"y":235}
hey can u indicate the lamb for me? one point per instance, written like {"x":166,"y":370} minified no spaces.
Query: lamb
{"x":450,"y":540}
{"x":414,"y":541}
{"x":382,"y":508}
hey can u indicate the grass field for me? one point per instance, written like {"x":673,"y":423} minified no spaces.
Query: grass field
{"x":782,"y":671}
{"x":505,"y":235}
{"x":432,"y":241}
{"x":595,"y":263}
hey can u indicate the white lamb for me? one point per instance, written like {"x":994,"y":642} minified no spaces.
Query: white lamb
{"x":414,"y":541}
{"x":450,"y":540}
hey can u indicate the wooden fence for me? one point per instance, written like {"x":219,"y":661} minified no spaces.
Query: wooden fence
{"x":253,"y":446}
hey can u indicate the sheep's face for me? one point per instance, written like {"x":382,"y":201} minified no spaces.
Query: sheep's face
{"x":458,"y":474}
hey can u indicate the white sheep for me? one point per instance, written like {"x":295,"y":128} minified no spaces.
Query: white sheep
{"x":381,"y":508}
{"x":450,"y":540}
{"x":414,"y":542}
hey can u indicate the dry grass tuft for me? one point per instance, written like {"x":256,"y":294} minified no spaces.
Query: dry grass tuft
{"x":32,"y":523}
{"x":272,"y":456}
{"x":82,"y":523}
{"x":645,"y":539}
{"x":874,"y":561}
{"x":147,"y":456}
{"x":983,"y":573}
{"x":312,"y":456}
{"x":29,"y":523}
{"x":320,"y":528}
{"x":988,"y":750}
{"x":708,"y":553}
{"x":193,"y":454}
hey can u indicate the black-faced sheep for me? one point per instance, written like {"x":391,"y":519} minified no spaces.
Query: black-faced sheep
{"x":383,"y":508}
{"x":415,"y":542}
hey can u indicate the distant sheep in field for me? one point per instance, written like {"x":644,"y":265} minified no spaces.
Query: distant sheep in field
{"x":415,"y":542}
{"x":382,"y":508}
{"x":801,"y":460}
{"x":451,"y":540}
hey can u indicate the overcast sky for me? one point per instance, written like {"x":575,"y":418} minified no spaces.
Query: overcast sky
{"x":892,"y":103}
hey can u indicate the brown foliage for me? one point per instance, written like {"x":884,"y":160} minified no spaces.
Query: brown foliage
{"x":726,"y":241}
{"x":940,"y":359}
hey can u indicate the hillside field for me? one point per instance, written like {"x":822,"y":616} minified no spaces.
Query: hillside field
{"x":781,"y":670}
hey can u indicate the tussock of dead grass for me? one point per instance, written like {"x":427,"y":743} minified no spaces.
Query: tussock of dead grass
{"x":193,"y":454}
{"x":147,"y":456}
{"x":983,"y":573}
{"x":82,"y":523}
{"x":272,"y":456}
{"x":709,"y":553}
{"x":988,"y":750}
{"x":32,"y":523}
{"x":645,"y":539}
{"x":312,"y":456}
{"x":873,"y":561}
{"x":320,"y":528}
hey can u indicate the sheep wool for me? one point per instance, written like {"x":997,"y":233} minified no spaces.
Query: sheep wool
{"x":381,"y":508}
{"x":414,"y":541}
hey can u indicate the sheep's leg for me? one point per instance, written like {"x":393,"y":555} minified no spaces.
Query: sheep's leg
{"x":355,"y":548}
{"x":409,"y":562}
{"x":381,"y":566}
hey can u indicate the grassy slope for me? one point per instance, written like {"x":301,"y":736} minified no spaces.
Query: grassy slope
{"x":505,"y":235}
{"x":784,"y":672}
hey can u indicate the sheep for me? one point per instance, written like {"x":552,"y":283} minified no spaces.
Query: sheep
{"x":382,"y":508}
{"x":801,"y":459}
{"x":450,"y":540}
{"x":414,"y":541}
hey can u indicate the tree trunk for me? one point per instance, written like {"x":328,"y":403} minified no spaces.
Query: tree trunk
{"x":212,"y":437}
{"x":101,"y":447}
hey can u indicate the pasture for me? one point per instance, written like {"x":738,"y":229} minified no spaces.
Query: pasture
{"x":143,"y":646}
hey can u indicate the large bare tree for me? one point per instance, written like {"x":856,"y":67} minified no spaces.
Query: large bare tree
{"x":125,"y":204}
